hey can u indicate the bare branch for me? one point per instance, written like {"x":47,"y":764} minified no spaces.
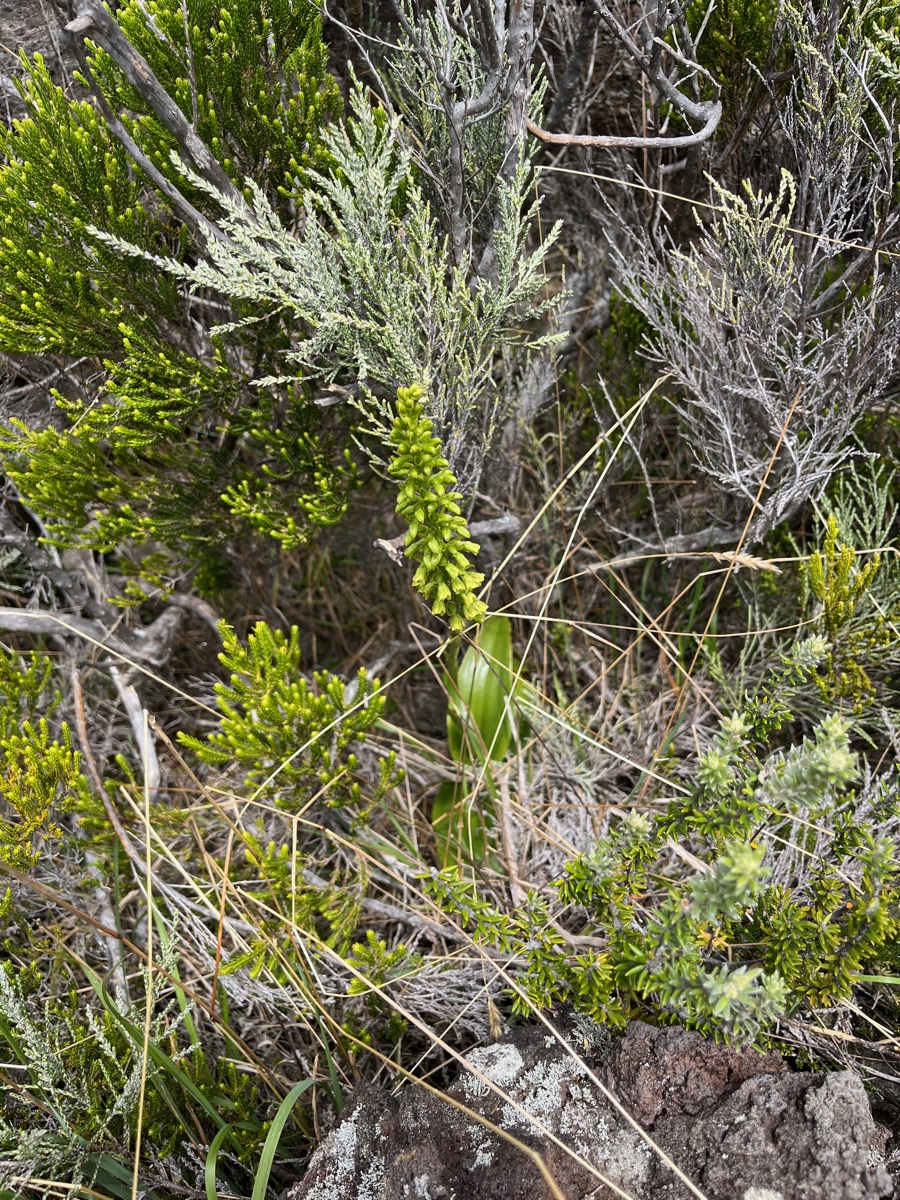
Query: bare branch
{"x":151,"y":646}
{"x":610,"y":142}
{"x":706,"y":113}
{"x":131,"y":702}
{"x":196,"y":605}
{"x":21,"y":620}
{"x":520,"y":43}
{"x":71,"y":587}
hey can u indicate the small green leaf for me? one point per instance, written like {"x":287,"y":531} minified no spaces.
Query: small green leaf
{"x":480,"y":719}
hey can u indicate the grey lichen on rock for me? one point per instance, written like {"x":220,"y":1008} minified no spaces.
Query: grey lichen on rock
{"x":736,"y":1122}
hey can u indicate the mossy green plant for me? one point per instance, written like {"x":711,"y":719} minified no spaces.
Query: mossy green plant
{"x":168,"y":447}
{"x":251,"y":74}
{"x":40,"y":770}
{"x":293,"y":736}
{"x":842,"y":588}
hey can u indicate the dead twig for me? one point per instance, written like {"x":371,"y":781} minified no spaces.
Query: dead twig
{"x":131,"y":702}
{"x":151,"y":645}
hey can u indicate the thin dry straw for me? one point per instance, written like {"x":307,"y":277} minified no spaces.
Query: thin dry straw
{"x":633,"y":414}
{"x":148,"y":1002}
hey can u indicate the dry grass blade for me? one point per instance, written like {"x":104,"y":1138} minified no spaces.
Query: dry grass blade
{"x":736,"y":561}
{"x":150,"y":997}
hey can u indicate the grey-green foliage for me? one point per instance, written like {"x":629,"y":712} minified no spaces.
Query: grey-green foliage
{"x":370,"y":282}
{"x":778,"y":333}
{"x":884,"y":40}
{"x":862,"y":502}
{"x":77,"y":1078}
{"x":847,"y":589}
{"x":850,"y":586}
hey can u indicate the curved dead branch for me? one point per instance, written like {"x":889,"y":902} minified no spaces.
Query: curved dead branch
{"x":612,"y":142}
{"x":645,"y":43}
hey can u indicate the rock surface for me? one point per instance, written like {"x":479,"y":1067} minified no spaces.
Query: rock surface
{"x":735,"y":1122}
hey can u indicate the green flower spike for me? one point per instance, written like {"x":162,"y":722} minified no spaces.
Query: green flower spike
{"x":438,"y":537}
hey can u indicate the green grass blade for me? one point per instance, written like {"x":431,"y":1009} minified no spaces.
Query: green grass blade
{"x":337,"y":1093}
{"x":209,"y":1169}
{"x":273,"y":1137}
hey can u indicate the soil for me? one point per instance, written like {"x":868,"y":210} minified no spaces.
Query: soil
{"x":32,"y":26}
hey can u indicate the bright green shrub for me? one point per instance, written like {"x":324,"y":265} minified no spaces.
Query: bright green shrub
{"x":857,"y":631}
{"x":736,"y":33}
{"x":40,"y":773}
{"x":261,"y":90}
{"x":61,"y":291}
{"x":739,"y":41}
{"x":293,"y":737}
{"x":294,"y":740}
{"x":293,"y":905}
{"x":169,"y":448}
{"x":379,"y":964}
